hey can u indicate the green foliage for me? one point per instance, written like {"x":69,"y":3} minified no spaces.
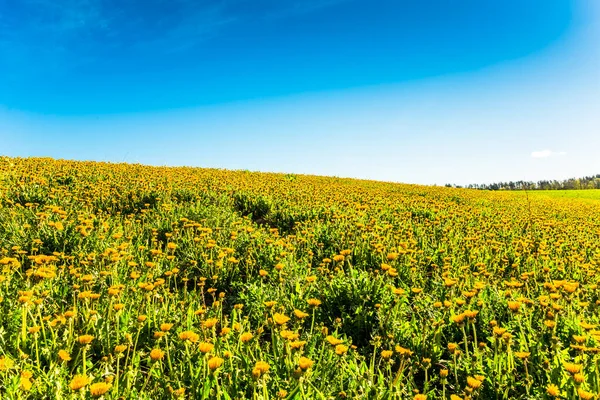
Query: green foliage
{"x":231,"y":284}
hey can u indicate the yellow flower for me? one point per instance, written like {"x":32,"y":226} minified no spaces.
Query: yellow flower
{"x":449,"y":282}
{"x":166,"y":327}
{"x":522,"y":354}
{"x":85,"y":339}
{"x":5,"y":363}
{"x":78,"y":382}
{"x":549,"y":323}
{"x":458,"y":319}
{"x":314,"y":302}
{"x":499,"y":331}
{"x":572,"y":368}
{"x":190,"y":336}
{"x":300,"y":314}
{"x":553,"y":390}
{"x":25,"y":380}
{"x":420,"y":397}
{"x":289,"y":335}
{"x":514,"y":306}
{"x":298,"y":344}
{"x":98,"y":389}
{"x":280,"y":319}
{"x":34,"y":329}
{"x":398,"y":291}
{"x":587,"y":326}
{"x":333,"y":340}
{"x":340,"y":349}
{"x":403,"y":351}
{"x":473,"y":382}
{"x":305,"y":363}
{"x":584,"y":394}
{"x":385,"y":354}
{"x":246,"y":337}
{"x":570,"y":287}
{"x":260,"y":368}
{"x":210,"y":323}
{"x":579,"y":378}
{"x":215,"y":362}
{"x":26,"y":374}
{"x":206,"y":347}
{"x":157,"y":354}
{"x":64,"y":356}
{"x":120,"y":348}
{"x":579,"y":339}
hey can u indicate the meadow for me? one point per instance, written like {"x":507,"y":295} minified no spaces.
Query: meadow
{"x":136,"y":282}
{"x":569,"y":194}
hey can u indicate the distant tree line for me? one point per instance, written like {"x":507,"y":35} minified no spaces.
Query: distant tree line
{"x":587,"y":182}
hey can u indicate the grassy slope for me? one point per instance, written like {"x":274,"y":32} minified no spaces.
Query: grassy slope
{"x":592,"y":194}
{"x":411,"y":281}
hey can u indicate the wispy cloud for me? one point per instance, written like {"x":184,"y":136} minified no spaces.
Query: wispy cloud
{"x":546,"y":153}
{"x":60,"y":33}
{"x":298,"y":7}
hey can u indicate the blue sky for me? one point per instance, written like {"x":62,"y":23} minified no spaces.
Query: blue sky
{"x":432,"y":92}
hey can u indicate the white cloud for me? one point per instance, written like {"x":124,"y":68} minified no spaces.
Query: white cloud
{"x":546,"y":153}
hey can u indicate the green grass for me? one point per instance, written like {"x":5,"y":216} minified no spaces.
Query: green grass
{"x":588,"y":194}
{"x":166,"y":283}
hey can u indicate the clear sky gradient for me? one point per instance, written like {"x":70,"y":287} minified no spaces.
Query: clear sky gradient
{"x":433,"y":91}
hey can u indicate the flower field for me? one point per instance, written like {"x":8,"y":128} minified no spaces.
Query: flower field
{"x":137,"y":282}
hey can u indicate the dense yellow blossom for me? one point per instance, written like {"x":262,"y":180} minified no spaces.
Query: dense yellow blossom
{"x":157,"y":282}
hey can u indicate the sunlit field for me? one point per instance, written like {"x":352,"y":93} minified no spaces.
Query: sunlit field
{"x":135,"y":282}
{"x":592,"y":194}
